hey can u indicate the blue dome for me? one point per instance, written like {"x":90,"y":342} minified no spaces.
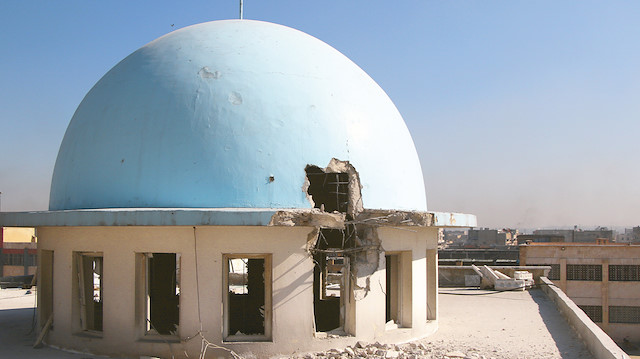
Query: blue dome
{"x":204,"y":116}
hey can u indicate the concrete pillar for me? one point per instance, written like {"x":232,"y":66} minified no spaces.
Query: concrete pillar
{"x":432,"y":284}
{"x":368,"y":307}
{"x":563,"y":275}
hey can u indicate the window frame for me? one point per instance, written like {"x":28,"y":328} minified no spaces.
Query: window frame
{"x":268,"y":304}
{"x":624,"y":272}
{"x":143,"y":300}
{"x":80,"y":293}
{"x":592,"y":272}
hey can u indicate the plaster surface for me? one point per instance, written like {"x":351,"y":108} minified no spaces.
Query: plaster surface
{"x":228,"y":114}
{"x":201,"y":286}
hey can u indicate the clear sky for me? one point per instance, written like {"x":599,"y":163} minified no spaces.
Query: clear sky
{"x":525,"y":113}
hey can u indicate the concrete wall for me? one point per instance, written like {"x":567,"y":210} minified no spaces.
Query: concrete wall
{"x":292,"y":288}
{"x":598,"y":342}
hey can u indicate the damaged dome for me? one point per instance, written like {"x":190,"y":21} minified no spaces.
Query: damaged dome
{"x":230,"y":114}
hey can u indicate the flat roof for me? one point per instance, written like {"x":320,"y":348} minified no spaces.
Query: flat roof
{"x":501,"y":325}
{"x":511,"y":324}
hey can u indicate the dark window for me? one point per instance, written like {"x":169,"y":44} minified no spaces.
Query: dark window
{"x":13,"y":259}
{"x":594,"y":312}
{"x":162,"y":293}
{"x":247,"y":303}
{"x":624,"y":272}
{"x":590,"y":272}
{"x":620,"y":314}
{"x":554,"y":273}
{"x":17,"y":259}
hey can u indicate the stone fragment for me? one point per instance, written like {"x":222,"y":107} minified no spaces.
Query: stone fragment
{"x":392,"y":354}
{"x":456,"y":354}
{"x":349,"y":351}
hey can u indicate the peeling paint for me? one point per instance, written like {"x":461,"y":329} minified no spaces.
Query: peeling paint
{"x":235,"y":98}
{"x":205,"y":73}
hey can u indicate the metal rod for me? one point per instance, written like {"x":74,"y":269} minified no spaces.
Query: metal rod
{"x":241,"y":10}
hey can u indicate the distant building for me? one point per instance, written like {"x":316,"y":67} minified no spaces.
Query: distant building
{"x":630,"y":235}
{"x":454,"y":237}
{"x":602,"y":279}
{"x":539,"y":238}
{"x":486,"y":238}
{"x":17,"y":251}
{"x":579,"y":235}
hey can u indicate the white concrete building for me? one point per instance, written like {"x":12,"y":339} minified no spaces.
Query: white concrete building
{"x":239,"y":184}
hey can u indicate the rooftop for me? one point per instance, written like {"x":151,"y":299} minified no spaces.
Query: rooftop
{"x":473,"y":323}
{"x":505,"y":325}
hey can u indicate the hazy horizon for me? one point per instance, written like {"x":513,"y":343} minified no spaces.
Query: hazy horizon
{"x":523,"y":113}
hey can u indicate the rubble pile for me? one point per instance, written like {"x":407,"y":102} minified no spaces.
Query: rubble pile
{"x":391,"y":351}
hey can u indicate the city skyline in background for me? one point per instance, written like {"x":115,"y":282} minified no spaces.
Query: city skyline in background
{"x":524,"y":114}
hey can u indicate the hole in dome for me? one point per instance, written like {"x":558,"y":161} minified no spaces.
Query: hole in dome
{"x":329,"y":191}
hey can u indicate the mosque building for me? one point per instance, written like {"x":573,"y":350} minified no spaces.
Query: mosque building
{"x":235,"y":186}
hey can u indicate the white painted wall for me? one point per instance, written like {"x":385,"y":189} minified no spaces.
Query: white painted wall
{"x":292,"y":290}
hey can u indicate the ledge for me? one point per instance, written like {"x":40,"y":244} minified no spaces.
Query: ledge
{"x":596,"y":340}
{"x":229,"y":217}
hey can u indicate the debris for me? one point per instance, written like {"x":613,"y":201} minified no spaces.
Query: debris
{"x":500,"y":281}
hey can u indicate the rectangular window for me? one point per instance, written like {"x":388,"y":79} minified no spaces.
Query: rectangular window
{"x":247,"y":298}
{"x":620,"y":314}
{"x":587,"y":272}
{"x":554,"y":273}
{"x":89,"y":277}
{"x":594,"y":312}
{"x":13,"y":259}
{"x":162,"y":293}
{"x":625,"y":273}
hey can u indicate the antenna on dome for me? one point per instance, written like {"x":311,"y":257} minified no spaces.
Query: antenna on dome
{"x":241,"y":14}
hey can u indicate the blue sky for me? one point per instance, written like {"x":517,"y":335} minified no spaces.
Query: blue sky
{"x":525,"y":113}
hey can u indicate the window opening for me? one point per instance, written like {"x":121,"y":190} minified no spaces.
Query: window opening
{"x":331,"y":277}
{"x":587,"y":272}
{"x":90,"y":290}
{"x":624,"y":314}
{"x":162,"y":293}
{"x":392,"y":288}
{"x":594,"y":312}
{"x":624,"y":272}
{"x":247,"y":304}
